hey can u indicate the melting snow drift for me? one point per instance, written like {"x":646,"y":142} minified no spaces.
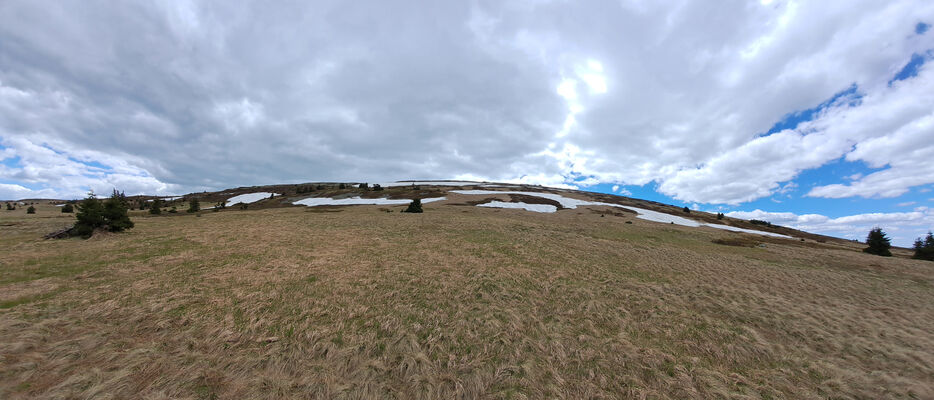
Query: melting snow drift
{"x":327,"y":201}
{"x":249,"y":198}
{"x":542,"y":208}
{"x":566,"y":202}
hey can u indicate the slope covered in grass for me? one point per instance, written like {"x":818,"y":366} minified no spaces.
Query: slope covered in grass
{"x":465,"y":302}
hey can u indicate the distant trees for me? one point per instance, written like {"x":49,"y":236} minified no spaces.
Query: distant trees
{"x":720,"y":216}
{"x":68,"y":208}
{"x":414,"y":207}
{"x":110,"y":215}
{"x":364,"y":185}
{"x":377,"y":187}
{"x":194,"y":205}
{"x":31,"y":210}
{"x":156,"y":207}
{"x":879,"y":244}
{"x":924,"y":249}
{"x":760,"y":222}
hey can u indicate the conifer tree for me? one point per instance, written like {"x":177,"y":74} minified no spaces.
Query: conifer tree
{"x":924,"y":249}
{"x":115,"y":212}
{"x":156,"y":207}
{"x":90,"y":216}
{"x":414,"y":207}
{"x":194,"y":205}
{"x":878,"y":242}
{"x":68,"y":208}
{"x":31,"y":210}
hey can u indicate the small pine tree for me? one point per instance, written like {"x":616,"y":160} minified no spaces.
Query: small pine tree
{"x":31,"y":210}
{"x":414,"y":207}
{"x":90,"y":216}
{"x":924,"y":249}
{"x":720,"y":216}
{"x":156,"y":207}
{"x":68,"y":208}
{"x":194,"y":205}
{"x":377,"y":187}
{"x":364,"y":185}
{"x":686,"y":209}
{"x":878,"y":243}
{"x":115,"y":215}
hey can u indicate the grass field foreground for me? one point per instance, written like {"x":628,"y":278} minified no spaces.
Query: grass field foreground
{"x":458,"y":302}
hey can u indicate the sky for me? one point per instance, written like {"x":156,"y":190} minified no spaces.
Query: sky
{"x":817,"y":115}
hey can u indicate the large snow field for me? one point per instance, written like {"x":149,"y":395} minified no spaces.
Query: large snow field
{"x":642,"y":213}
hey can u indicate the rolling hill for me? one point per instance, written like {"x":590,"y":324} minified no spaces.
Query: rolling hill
{"x":495,"y":291}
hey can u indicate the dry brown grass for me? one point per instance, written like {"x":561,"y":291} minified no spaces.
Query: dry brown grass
{"x":458,"y":302}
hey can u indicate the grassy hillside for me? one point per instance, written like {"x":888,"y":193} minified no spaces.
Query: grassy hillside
{"x":458,"y":302}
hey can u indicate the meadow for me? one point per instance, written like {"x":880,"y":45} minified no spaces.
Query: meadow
{"x":458,"y":302}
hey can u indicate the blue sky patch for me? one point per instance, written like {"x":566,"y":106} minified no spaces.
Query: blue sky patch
{"x":921,"y":28}
{"x":849,"y":97}
{"x":910,"y":69}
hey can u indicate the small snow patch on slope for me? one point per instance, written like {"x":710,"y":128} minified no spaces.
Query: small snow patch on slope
{"x":542,"y":208}
{"x":249,"y":198}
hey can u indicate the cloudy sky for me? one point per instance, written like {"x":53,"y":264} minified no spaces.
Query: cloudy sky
{"x":817,"y":114}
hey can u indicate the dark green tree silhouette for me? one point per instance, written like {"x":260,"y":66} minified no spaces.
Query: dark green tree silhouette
{"x":90,"y":216}
{"x":414,"y":207}
{"x":879,"y":243}
{"x":194,"y":205}
{"x":924,"y":249}
{"x":115,"y":213}
{"x":68,"y":208}
{"x":31,"y":210}
{"x":156,"y":207}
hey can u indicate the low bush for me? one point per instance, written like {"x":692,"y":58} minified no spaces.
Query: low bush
{"x":31,"y":210}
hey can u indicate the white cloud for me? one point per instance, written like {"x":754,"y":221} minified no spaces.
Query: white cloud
{"x":212,"y":95}
{"x":901,"y":227}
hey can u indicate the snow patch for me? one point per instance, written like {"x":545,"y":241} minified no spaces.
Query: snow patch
{"x":249,"y":198}
{"x":430,"y":183}
{"x":735,"y":229}
{"x":648,"y":215}
{"x":542,"y":208}
{"x":327,"y":201}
